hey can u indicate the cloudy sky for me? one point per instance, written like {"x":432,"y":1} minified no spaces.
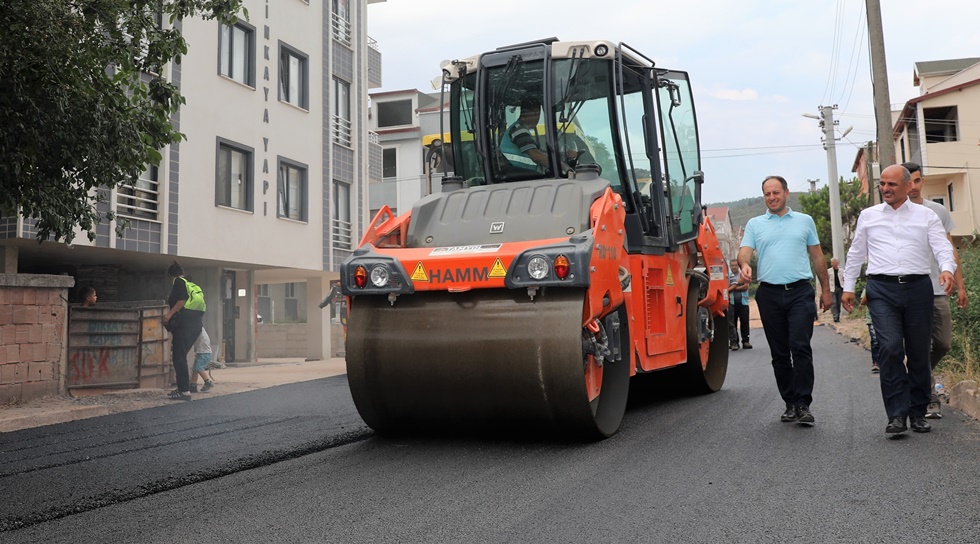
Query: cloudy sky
{"x":756,"y":66}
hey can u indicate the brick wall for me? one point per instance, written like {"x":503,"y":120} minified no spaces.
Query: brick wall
{"x":33,"y":313}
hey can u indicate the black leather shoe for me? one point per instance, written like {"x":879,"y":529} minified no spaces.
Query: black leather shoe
{"x":920,"y":425}
{"x":896,"y":425}
{"x":803,"y":415}
{"x":789,"y":415}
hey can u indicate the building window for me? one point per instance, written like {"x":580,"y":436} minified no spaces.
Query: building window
{"x":341,"y":112}
{"x":941,"y":124}
{"x":233,"y":179}
{"x":389,"y":163}
{"x":236,"y":54}
{"x":292,"y":190}
{"x":340,"y":19}
{"x":290,"y":290}
{"x":293,"y":76}
{"x":141,"y":199}
{"x":263,"y":290}
{"x":395,"y":113}
{"x":341,"y":228}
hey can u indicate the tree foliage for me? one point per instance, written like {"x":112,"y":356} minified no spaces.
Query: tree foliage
{"x":817,"y":206}
{"x":84,"y":101}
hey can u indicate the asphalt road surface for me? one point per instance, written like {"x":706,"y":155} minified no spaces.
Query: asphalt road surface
{"x":295,"y":463}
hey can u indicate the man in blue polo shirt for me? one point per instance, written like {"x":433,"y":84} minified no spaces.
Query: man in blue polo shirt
{"x":787,"y":244}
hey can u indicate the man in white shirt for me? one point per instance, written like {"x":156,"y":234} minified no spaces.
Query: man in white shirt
{"x":942,"y":318}
{"x":897,"y":239}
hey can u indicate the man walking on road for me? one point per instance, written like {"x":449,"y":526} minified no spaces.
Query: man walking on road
{"x":942,"y":319}
{"x":787,"y":244}
{"x":897,"y":238}
{"x":738,"y":308}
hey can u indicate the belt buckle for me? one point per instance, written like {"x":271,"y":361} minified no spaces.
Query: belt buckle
{"x":902,"y":279}
{"x":787,"y":287}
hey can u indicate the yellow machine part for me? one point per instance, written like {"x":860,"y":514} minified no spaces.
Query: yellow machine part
{"x":489,"y":358}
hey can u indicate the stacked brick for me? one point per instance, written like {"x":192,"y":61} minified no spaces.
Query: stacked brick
{"x":33,"y":314}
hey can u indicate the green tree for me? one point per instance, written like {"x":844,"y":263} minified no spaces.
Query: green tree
{"x":84,"y":101}
{"x":817,"y":206}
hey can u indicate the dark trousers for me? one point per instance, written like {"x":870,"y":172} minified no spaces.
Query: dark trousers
{"x":875,"y":347}
{"x":738,"y":313}
{"x":835,"y":305}
{"x":185,"y":332}
{"x":902,"y":316}
{"x":787,"y":317}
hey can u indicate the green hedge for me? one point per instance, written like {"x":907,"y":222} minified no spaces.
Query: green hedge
{"x":964,"y":357}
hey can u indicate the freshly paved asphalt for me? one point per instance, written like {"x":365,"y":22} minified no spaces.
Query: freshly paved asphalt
{"x":295,"y":463}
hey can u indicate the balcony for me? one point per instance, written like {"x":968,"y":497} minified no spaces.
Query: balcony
{"x":374,"y":64}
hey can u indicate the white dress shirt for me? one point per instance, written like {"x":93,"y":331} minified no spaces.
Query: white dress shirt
{"x":897,"y":242}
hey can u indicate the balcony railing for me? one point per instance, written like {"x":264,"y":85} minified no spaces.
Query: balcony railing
{"x":140,"y":201}
{"x":341,"y":30}
{"x":341,"y":131}
{"x":340,"y":233}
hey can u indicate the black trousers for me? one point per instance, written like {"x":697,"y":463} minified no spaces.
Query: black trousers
{"x":738,"y":313}
{"x":185,"y":330}
{"x":902,"y":317}
{"x":787,"y":317}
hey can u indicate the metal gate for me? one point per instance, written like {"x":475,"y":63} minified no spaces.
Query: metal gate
{"x":118,"y":345}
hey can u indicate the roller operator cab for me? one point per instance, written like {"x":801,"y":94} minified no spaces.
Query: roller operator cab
{"x":568,"y":253}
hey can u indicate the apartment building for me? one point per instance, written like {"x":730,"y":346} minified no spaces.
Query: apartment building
{"x":268,"y":192}
{"x":407,"y":123}
{"x":940,"y":129}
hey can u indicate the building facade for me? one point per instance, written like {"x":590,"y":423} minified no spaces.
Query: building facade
{"x":940,"y":130}
{"x":267,"y":194}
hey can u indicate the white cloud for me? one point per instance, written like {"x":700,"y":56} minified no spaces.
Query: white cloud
{"x":732,"y":94}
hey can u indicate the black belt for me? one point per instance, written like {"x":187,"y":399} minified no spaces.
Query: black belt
{"x":908,"y":278}
{"x":787,"y":286}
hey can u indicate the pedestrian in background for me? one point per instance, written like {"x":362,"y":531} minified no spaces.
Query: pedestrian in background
{"x":942,"y":318}
{"x":834,"y":276}
{"x":873,"y":336}
{"x":184,"y":320}
{"x":202,"y":361}
{"x":738,"y":308}
{"x":896,"y":239}
{"x":788,"y":247}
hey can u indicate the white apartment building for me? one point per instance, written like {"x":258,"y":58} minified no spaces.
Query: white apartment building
{"x":268,"y":189}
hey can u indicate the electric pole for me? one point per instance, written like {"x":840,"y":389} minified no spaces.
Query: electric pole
{"x":879,"y":80}
{"x":830,"y":144}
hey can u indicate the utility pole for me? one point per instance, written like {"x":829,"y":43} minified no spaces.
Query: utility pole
{"x":830,"y":144}
{"x":879,"y":80}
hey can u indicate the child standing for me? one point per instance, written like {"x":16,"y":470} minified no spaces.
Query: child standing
{"x":202,"y":357}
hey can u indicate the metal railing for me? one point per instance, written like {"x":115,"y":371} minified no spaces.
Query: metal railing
{"x":140,"y":201}
{"x":341,"y":234}
{"x":341,"y":131}
{"x":341,"y":29}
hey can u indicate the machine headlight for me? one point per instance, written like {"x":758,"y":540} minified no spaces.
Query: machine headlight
{"x":379,"y":276}
{"x":537,"y":268}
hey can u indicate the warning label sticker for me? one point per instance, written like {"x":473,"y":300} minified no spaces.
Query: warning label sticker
{"x":419,"y":274}
{"x":461,"y":250}
{"x":497,"y":270}
{"x":670,"y":277}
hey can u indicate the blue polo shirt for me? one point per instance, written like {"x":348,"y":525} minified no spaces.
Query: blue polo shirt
{"x":782,"y":245}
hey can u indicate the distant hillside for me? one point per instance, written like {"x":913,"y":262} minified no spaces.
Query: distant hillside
{"x":742,"y":210}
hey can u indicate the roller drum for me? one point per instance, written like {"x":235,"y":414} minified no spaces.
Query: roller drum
{"x":458,"y":361}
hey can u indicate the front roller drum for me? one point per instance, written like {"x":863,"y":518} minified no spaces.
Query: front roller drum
{"x":483,"y":359}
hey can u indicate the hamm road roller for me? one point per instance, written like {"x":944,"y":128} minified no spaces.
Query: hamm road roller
{"x":568,"y":252}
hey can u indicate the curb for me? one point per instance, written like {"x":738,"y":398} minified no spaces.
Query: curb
{"x":61,"y":416}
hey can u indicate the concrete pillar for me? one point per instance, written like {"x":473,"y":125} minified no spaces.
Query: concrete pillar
{"x":8,"y":260}
{"x":317,"y":320}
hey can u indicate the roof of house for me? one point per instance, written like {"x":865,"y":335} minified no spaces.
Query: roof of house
{"x":719,"y":212}
{"x":946,"y":67}
{"x":908,"y":111}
